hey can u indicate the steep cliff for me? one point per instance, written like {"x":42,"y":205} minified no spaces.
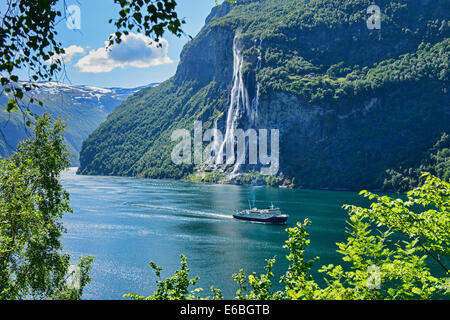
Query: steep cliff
{"x":349,"y":101}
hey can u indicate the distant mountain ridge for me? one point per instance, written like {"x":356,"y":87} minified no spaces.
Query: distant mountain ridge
{"x":83,"y":108}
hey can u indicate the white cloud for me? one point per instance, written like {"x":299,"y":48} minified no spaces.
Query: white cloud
{"x":68,"y":54}
{"x":135,"y":50}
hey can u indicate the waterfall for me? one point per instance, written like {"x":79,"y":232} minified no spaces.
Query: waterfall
{"x":239,"y":102}
{"x":254,"y":112}
{"x":238,"y":99}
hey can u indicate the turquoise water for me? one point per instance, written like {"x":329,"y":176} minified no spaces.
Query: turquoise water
{"x":127,"y":222}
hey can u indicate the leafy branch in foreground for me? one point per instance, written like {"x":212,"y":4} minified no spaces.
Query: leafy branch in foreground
{"x":385,"y":255}
{"x":429,"y":228}
{"x":175,"y":287}
{"x":32,"y":203}
{"x":150,"y":17}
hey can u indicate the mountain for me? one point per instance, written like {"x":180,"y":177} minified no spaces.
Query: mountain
{"x":349,"y":102}
{"x":82,"y":107}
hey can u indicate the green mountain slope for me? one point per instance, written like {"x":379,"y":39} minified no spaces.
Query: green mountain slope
{"x":349,"y":102}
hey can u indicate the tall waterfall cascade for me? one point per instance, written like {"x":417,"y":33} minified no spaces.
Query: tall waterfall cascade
{"x":239,"y":103}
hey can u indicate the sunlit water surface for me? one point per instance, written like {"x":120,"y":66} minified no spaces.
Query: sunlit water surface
{"x":127,"y":222}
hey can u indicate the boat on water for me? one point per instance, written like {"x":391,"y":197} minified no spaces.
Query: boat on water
{"x":269,"y":215}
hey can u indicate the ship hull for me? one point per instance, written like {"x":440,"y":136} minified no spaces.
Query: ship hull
{"x":271,"y":220}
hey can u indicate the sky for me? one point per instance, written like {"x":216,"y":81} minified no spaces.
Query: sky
{"x":131,"y":64}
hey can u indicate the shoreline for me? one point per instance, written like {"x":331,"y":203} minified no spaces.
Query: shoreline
{"x":75,"y":169}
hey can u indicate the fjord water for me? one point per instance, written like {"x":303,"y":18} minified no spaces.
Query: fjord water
{"x":127,"y":222}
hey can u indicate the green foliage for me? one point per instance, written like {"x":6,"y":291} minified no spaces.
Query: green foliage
{"x":298,"y":281}
{"x":255,"y":178}
{"x":431,"y":226}
{"x":436,"y":161}
{"x":213,"y":177}
{"x":385,"y":255}
{"x":251,"y":178}
{"x":32,"y":203}
{"x":76,"y":280}
{"x":260,"y":286}
{"x":175,"y":287}
{"x":429,"y":63}
{"x":151,"y":18}
{"x":423,"y":220}
{"x":209,"y":177}
{"x":272,"y":181}
{"x":27,"y":39}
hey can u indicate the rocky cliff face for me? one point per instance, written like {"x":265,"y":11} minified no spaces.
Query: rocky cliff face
{"x":349,"y":102}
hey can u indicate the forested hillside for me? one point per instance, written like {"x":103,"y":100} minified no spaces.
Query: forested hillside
{"x":350,"y":102}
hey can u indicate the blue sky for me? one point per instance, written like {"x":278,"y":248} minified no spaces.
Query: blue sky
{"x":131,"y":65}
